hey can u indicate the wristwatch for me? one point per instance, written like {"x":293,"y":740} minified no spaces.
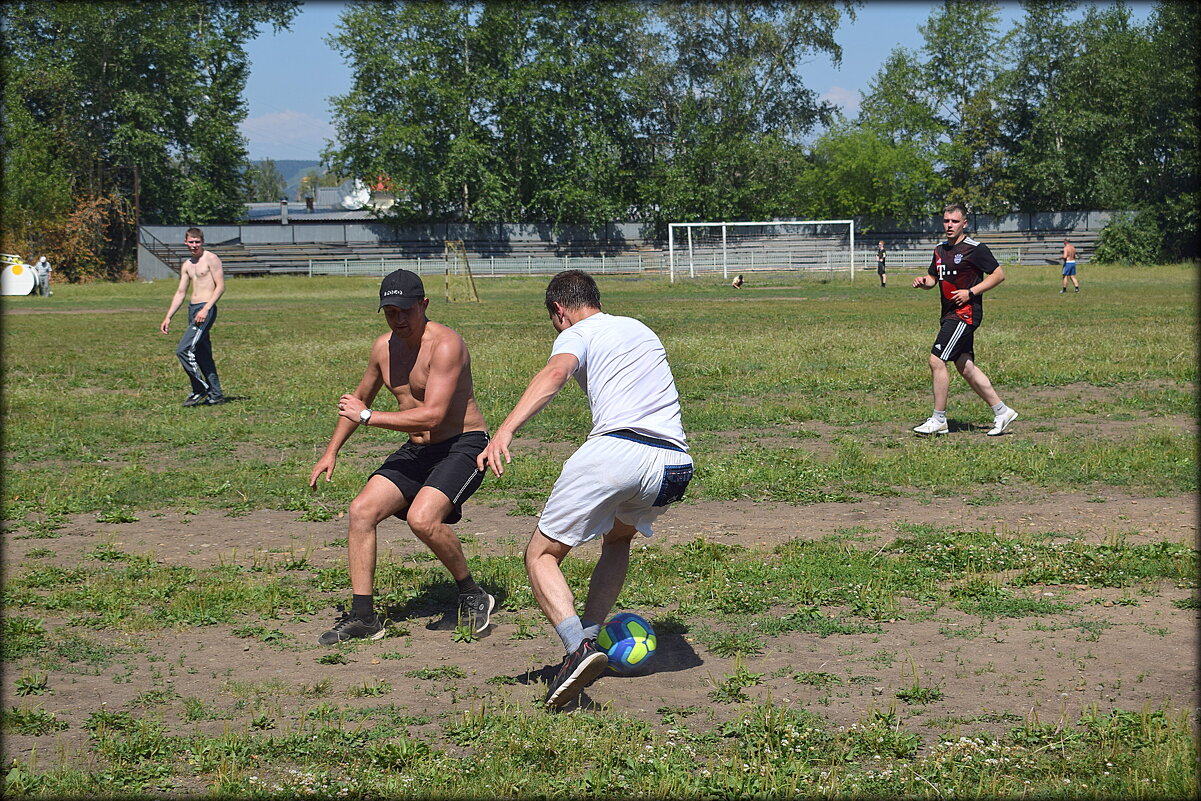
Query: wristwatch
{"x":365,"y":416}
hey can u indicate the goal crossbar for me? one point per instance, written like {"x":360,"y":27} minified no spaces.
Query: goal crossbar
{"x":689,"y":227}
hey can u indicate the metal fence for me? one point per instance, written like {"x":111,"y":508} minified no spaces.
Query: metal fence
{"x":485,"y":266}
{"x":708,"y":263}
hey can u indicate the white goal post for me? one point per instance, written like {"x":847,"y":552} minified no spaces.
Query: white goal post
{"x":741,"y":247}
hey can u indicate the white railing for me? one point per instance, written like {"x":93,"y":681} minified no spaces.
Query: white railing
{"x":484,"y":266}
{"x":706,"y":262}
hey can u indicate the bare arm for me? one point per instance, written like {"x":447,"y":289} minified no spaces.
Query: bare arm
{"x":541,"y":391}
{"x":218,"y":274}
{"x":177,"y":301}
{"x":446,"y":365}
{"x":366,"y":391}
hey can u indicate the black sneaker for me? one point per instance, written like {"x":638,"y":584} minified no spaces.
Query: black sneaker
{"x":353,"y":628}
{"x":474,"y":610}
{"x":579,"y":669}
{"x":195,"y":399}
{"x":213,"y":400}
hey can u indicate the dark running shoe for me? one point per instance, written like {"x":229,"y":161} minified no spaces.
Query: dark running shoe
{"x":195,"y":399}
{"x":213,"y":400}
{"x":474,"y":610}
{"x":580,"y":668}
{"x":353,"y":628}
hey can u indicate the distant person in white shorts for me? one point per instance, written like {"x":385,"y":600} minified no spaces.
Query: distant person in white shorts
{"x":634,"y":463}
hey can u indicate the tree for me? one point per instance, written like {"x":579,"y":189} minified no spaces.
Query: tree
{"x":95,"y":91}
{"x":410,"y":101}
{"x":735,"y":107}
{"x":962,"y":64}
{"x":900,"y":104}
{"x":583,"y":113}
{"x":264,"y":182}
{"x":509,"y":111}
{"x":1167,"y":182}
{"x":1042,"y":46}
{"x":857,"y":171}
{"x":560,"y":92}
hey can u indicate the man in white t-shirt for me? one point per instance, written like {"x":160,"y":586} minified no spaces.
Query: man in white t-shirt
{"x":634,"y":463}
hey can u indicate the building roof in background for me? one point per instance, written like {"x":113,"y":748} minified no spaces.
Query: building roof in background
{"x":297,"y":213}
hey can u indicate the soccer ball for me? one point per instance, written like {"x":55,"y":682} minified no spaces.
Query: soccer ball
{"x":629,"y":642}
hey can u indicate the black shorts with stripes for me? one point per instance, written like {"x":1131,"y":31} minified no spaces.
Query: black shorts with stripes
{"x":447,"y":466}
{"x":955,"y":337}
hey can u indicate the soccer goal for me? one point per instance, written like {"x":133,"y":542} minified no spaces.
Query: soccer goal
{"x":460,"y":284}
{"x":735,"y":248}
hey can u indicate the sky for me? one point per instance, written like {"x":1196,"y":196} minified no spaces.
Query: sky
{"x":294,"y":73}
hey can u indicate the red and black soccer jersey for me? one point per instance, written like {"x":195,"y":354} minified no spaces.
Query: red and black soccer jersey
{"x":961,"y":266}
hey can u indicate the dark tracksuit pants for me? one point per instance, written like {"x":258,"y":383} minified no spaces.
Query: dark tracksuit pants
{"x":195,"y":352}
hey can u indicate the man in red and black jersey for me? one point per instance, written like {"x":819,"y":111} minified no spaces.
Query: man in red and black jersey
{"x":963,"y":269}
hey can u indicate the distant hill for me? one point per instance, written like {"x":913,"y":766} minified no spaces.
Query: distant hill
{"x":293,"y":170}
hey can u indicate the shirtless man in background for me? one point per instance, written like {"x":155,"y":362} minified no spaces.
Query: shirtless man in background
{"x":195,"y":349}
{"x":427,"y":368}
{"x":1069,"y":266}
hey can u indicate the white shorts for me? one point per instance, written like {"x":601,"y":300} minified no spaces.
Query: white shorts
{"x":609,"y":479}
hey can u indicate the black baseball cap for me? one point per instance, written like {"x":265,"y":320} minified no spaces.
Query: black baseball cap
{"x":401,"y":289}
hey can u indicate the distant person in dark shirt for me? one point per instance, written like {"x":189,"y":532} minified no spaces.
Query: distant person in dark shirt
{"x":881,"y":256}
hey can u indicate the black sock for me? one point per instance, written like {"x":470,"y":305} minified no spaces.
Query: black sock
{"x":467,"y":586}
{"x":362,"y":606}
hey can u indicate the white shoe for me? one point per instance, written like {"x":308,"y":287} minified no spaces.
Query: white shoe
{"x":932,"y":426}
{"x":1001,"y":424}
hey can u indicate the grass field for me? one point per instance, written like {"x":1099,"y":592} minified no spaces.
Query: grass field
{"x":167,"y":569}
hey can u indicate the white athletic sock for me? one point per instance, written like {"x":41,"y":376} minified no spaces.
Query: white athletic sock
{"x":940,"y":416}
{"x":999,"y":409}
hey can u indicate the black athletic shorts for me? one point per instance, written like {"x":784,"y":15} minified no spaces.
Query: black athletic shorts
{"x":447,"y":466}
{"x":880,"y":267}
{"x":954,"y":338}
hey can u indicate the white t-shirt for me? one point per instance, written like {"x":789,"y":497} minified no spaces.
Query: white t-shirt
{"x":624,"y":372}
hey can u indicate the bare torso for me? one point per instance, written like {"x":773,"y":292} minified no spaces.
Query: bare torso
{"x":201,"y":272}
{"x":1069,"y":252}
{"x":406,"y":372}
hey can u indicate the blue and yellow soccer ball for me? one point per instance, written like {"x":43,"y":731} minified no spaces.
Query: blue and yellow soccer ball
{"x":629,"y":642}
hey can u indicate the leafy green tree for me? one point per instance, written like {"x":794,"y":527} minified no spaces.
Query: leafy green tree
{"x":1167,"y":181}
{"x":1041,"y":47}
{"x":1129,"y":239}
{"x":856,"y":171}
{"x":962,"y":64}
{"x":900,"y":104}
{"x":501,"y":112}
{"x":110,"y":87}
{"x":264,"y":182}
{"x":735,"y":107}
{"x":411,"y":101}
{"x":560,"y":91}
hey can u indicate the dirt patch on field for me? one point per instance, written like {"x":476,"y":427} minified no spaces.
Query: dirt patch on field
{"x":1117,"y":649}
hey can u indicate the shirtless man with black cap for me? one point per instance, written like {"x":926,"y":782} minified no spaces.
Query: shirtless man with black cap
{"x":427,"y":367}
